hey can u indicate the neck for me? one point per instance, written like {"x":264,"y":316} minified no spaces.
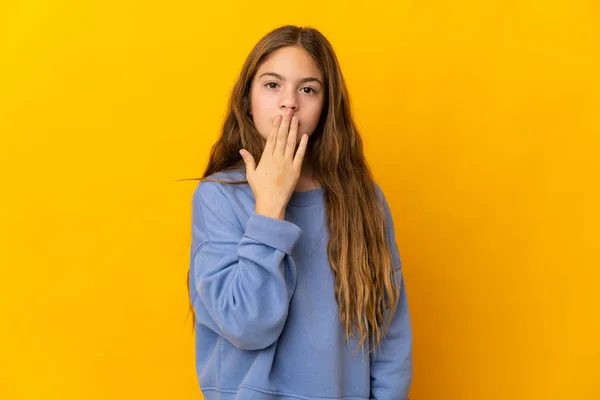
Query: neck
{"x":307,"y":170}
{"x":306,"y":181}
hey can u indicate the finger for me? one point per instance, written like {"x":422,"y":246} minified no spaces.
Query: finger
{"x":248,"y":160}
{"x":270,"y":145}
{"x":301,"y":151}
{"x":283,"y":132}
{"x":291,"y":140}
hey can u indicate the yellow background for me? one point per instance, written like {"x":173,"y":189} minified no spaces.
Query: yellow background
{"x":481,"y":123}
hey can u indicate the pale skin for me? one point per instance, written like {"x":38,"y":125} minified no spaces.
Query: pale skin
{"x":285,"y":102}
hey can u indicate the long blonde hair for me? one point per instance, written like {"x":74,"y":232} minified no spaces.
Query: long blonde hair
{"x":358,"y":250}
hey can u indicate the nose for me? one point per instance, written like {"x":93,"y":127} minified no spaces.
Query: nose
{"x":288,"y":101}
{"x":286,"y":107}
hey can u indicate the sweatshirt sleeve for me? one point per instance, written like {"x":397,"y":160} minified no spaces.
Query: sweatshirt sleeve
{"x":391,"y":365}
{"x":244,"y":277}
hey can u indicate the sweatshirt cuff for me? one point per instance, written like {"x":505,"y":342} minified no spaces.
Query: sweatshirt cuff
{"x":280,"y":234}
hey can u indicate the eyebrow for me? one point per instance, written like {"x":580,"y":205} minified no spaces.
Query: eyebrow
{"x":281,"y":78}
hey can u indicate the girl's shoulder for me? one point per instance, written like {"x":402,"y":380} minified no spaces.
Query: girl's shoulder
{"x":219,"y":187}
{"x":230,"y":175}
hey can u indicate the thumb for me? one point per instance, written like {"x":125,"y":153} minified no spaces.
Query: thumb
{"x":248,"y":159}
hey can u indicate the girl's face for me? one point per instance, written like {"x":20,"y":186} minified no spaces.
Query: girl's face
{"x":288,"y":78}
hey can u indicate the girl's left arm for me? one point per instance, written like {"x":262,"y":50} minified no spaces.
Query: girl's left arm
{"x":392,"y":366}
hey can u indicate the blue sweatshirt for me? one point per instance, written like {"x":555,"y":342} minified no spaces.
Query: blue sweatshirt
{"x":268,"y":326}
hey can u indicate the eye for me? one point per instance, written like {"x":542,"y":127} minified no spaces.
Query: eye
{"x":310,"y":90}
{"x":268,"y":84}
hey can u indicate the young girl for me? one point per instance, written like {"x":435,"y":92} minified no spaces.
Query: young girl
{"x":295,"y":277}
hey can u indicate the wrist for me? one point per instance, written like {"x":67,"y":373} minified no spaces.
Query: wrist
{"x":271,"y":213}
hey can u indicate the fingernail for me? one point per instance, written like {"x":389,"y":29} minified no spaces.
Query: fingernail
{"x":242,"y":153}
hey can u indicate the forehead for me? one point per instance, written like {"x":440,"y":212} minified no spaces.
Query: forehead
{"x":291,"y":62}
